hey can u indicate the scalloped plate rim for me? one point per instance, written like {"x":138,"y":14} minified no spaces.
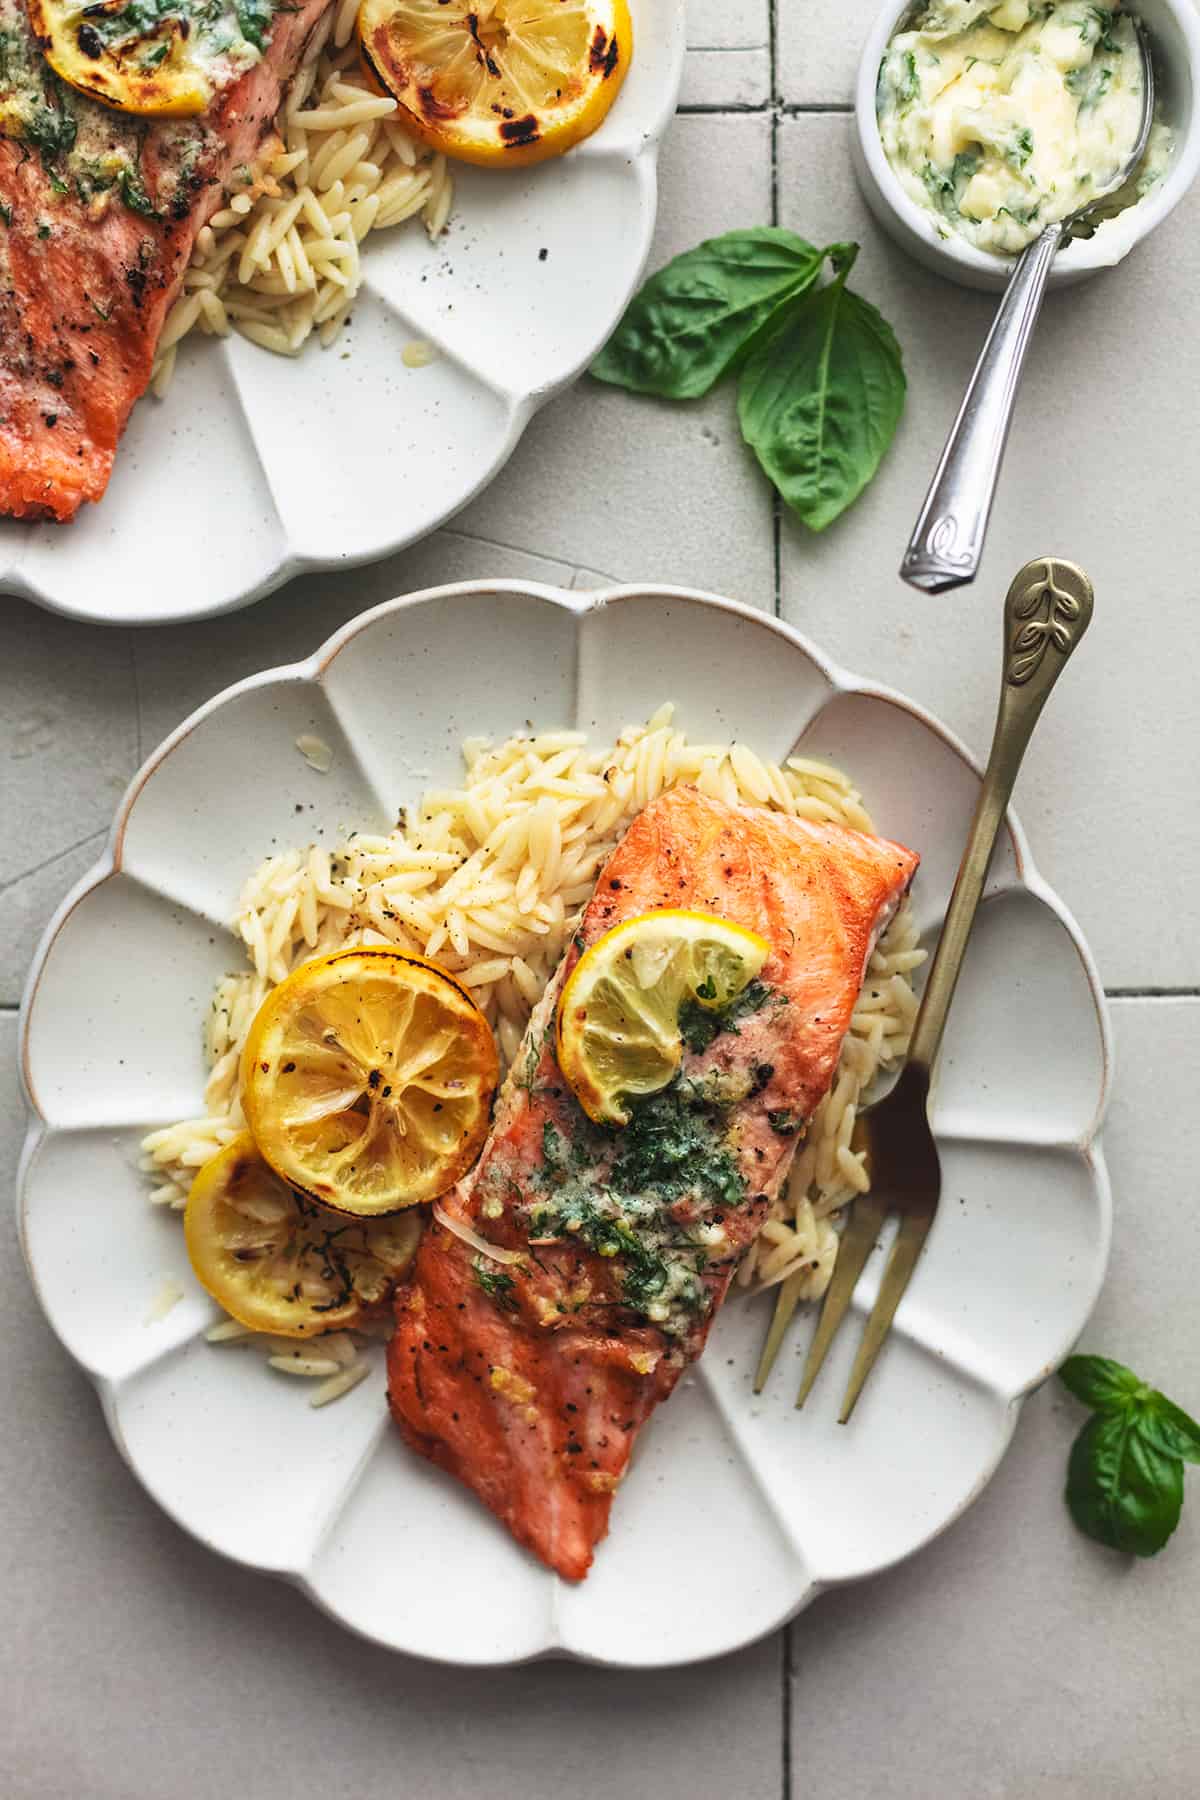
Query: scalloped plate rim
{"x":580,"y":603}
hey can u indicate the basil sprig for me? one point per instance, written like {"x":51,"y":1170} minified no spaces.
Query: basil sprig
{"x":822,"y":379}
{"x":687,"y":325}
{"x":1125,"y":1474}
{"x":819,"y":401}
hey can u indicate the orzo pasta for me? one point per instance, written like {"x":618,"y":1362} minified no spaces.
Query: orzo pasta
{"x":489,"y":878}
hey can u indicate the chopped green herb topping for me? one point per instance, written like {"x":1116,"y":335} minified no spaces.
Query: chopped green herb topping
{"x":133,"y":193}
{"x":496,"y":1284}
{"x":700,"y":1025}
{"x":674,"y":1144}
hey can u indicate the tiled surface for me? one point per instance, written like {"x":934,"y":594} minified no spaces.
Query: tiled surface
{"x":1012,"y":1660}
{"x":729,"y":58}
{"x":819,"y":45}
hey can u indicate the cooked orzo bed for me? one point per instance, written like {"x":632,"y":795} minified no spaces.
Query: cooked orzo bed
{"x":490,"y":878}
{"x":281,"y":259}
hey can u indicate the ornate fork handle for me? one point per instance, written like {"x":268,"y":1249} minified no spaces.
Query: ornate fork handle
{"x":1046,"y":612}
{"x":947,"y":540}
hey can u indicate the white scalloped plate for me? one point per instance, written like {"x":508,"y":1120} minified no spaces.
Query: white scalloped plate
{"x":332,"y":1499}
{"x":217,"y":496}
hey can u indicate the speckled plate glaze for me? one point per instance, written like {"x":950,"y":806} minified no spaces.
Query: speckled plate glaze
{"x":257,"y":467}
{"x":773,"y":1505}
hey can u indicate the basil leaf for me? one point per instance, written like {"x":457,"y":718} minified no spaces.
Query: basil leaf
{"x":1099,"y":1382}
{"x":819,"y":400}
{"x":1121,"y":1490}
{"x":1168,"y":1427}
{"x":691,"y":320}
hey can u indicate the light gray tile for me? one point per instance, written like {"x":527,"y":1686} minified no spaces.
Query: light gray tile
{"x":726,"y":78}
{"x":591,"y":578}
{"x":26,"y":905}
{"x":819,"y":45}
{"x":148,"y":1667}
{"x":68,"y":732}
{"x":728,"y":24}
{"x":729,"y":56}
{"x":1014,"y":1659}
{"x":1102,"y":468}
{"x":645,"y":489}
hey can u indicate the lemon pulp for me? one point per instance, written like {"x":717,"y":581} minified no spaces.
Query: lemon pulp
{"x":499,"y":81}
{"x":367,"y":1080}
{"x":276,"y":1261}
{"x":618,"y":1032}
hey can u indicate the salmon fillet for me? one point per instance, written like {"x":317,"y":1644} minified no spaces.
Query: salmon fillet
{"x":530,"y":1380}
{"x":98,"y":215}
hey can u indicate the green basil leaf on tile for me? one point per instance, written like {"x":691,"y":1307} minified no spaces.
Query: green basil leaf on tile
{"x":1099,"y":1382}
{"x":1121,"y":1490}
{"x":1168,"y":1427}
{"x":819,"y":399}
{"x":690,"y":322}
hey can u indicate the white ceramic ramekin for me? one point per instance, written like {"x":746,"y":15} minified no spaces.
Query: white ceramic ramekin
{"x":1174,"y":27}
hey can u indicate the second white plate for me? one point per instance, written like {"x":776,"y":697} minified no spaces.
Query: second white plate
{"x":256,"y":467}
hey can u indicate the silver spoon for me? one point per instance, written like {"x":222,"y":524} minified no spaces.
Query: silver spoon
{"x":946,"y":546}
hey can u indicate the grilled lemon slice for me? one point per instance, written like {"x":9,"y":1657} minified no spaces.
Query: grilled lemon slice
{"x":499,"y":81}
{"x":165,"y":60}
{"x":367,"y":1080}
{"x":277,"y":1262}
{"x":619,"y":1034}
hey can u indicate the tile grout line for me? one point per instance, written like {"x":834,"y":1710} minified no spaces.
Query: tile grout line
{"x":789,"y":109}
{"x":1152,"y":993}
{"x":93,"y":837}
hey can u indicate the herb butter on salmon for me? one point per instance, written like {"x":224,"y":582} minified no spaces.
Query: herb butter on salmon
{"x":579,"y":1267}
{"x":99,"y":211}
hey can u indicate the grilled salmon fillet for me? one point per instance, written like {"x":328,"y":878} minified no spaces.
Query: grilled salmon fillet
{"x":99,"y":211}
{"x":530,"y":1379}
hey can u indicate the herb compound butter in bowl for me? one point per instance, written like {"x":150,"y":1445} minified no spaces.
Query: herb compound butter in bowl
{"x":980,"y":122}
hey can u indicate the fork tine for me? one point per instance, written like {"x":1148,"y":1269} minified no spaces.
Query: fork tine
{"x":781,"y":1318}
{"x":856,"y":1245}
{"x":910,"y":1239}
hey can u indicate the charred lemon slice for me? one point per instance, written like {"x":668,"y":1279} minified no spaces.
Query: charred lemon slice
{"x":277,"y":1262}
{"x":367,"y":1080}
{"x":498,"y":81}
{"x":623,"y":1015}
{"x":164,"y":59}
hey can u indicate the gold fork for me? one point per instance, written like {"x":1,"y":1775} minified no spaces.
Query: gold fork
{"x":1046,"y":612}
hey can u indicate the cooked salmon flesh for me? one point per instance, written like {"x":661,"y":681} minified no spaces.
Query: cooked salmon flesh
{"x":529,"y":1379}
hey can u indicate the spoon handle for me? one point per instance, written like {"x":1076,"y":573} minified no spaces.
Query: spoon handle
{"x":1048,"y":609}
{"x":947,"y":541}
